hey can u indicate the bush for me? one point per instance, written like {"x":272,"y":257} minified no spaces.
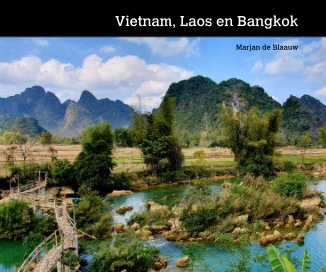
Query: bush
{"x":199,"y":219}
{"x":64,"y":173}
{"x":16,"y":220}
{"x":119,"y":182}
{"x":290,"y":185}
{"x":28,"y":171}
{"x":173,"y":176}
{"x":133,"y":256}
{"x":286,"y":166}
{"x":71,"y":260}
{"x":198,"y":172}
{"x":148,"y":218}
{"x":91,"y":217}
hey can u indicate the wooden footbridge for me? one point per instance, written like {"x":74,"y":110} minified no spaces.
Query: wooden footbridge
{"x":47,"y":255}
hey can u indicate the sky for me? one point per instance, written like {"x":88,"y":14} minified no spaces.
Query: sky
{"x":127,"y":68}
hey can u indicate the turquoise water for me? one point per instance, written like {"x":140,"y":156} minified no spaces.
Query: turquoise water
{"x":12,"y":255}
{"x":209,"y":257}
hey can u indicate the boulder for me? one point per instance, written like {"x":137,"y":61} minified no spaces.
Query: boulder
{"x":135,"y":226}
{"x":183,"y":262}
{"x":300,"y":238}
{"x":154,"y":207}
{"x":290,"y":220}
{"x":270,"y":238}
{"x":120,"y":227}
{"x":157,"y":228}
{"x":241,"y":219}
{"x":298,"y":223}
{"x":238,"y":231}
{"x":309,"y":220}
{"x":144,"y":234}
{"x":174,"y":224}
{"x":120,"y":193}
{"x":124,"y":209}
{"x":177,"y":211}
{"x":290,"y":236}
{"x":158,"y":265}
{"x":311,"y":204}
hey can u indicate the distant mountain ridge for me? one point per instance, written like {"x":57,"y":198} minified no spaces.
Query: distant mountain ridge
{"x":197,"y":101}
{"x":68,"y":118}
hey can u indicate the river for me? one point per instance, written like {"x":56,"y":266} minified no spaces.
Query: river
{"x":209,"y":257}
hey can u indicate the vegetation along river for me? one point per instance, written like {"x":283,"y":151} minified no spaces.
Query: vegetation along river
{"x":208,"y":256}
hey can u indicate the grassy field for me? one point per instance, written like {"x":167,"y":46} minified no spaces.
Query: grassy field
{"x":130,"y":159}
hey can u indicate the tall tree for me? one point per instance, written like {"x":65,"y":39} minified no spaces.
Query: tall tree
{"x":159,"y":145}
{"x":252,"y":138}
{"x":94,"y":164}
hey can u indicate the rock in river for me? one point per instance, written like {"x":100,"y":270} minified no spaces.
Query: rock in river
{"x":182,"y":262}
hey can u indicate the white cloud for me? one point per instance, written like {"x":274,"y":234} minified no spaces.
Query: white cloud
{"x":276,"y":98}
{"x":167,"y":47}
{"x":41,"y":42}
{"x":108,"y":49}
{"x":321,"y":91}
{"x":284,"y":64}
{"x":309,"y":61}
{"x":257,"y":66}
{"x":119,"y":77}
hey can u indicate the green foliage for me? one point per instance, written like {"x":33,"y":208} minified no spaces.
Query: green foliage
{"x":280,"y":263}
{"x":28,"y":171}
{"x":91,"y":217}
{"x":304,"y":141}
{"x":98,"y":139}
{"x":133,"y":256}
{"x":322,"y":136}
{"x":148,"y":218}
{"x":119,"y":182}
{"x":252,"y":138}
{"x":286,"y":166}
{"x":32,"y":240}
{"x":13,"y":137}
{"x":94,"y":170}
{"x":64,"y":173}
{"x":290,"y":184}
{"x":71,"y":260}
{"x":123,"y":137}
{"x":160,"y":148}
{"x":138,"y":128}
{"x":46,"y":138}
{"x":173,"y":176}
{"x":199,"y":219}
{"x":16,"y":220}
{"x":94,"y":164}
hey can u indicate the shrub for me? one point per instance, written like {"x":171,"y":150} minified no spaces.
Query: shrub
{"x":286,"y":166}
{"x":173,"y":176}
{"x":91,"y":218}
{"x":119,"y":182}
{"x":64,"y":174}
{"x":70,"y":259}
{"x":134,"y":256}
{"x":148,"y":218}
{"x":199,"y":219}
{"x":290,"y":184}
{"x":16,"y":220}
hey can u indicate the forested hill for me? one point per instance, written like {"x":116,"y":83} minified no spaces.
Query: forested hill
{"x":197,"y":101}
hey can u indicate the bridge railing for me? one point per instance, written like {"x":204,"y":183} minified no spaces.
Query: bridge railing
{"x":33,"y":258}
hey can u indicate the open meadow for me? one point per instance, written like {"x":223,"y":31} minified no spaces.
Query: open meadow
{"x":130,"y":159}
